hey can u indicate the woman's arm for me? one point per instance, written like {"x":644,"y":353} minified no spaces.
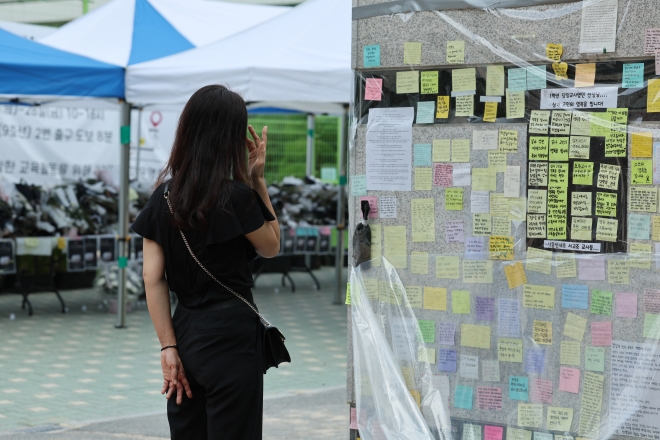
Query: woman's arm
{"x":158,"y":301}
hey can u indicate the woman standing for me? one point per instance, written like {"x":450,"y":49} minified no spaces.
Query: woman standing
{"x":211,"y":347}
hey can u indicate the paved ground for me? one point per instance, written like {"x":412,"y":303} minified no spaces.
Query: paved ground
{"x":59,"y":371}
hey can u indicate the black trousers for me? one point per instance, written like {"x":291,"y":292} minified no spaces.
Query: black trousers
{"x":221,"y":353}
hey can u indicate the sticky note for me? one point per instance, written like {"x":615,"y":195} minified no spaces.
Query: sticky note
{"x":471,"y":432}
{"x":446,"y":331}
{"x":423,"y":220}
{"x":425,"y":112}
{"x":407,"y":82}
{"x":447,"y":360}
{"x":626,"y":305}
{"x":412,"y":53}
{"x":539,"y":260}
{"x":480,"y":201}
{"x":423,"y":179}
{"x":566,"y":266}
{"x":484,"y":179}
{"x":561,"y":71}
{"x":469,"y":367}
{"x":594,"y":359}
{"x":640,"y":255}
{"x":569,"y":380}
{"x":429,"y":82}
{"x":461,"y":174}
{"x":583,"y":174}
{"x":642,"y":172}
{"x":536,"y":77}
{"x":441,"y":150}
{"x":485,"y":139}
{"x":539,"y":297}
{"x":601,"y":334}
{"x":419,"y":263}
{"x":608,"y":177}
{"x":653,"y":96}
{"x":427,"y":329}
{"x":454,"y":231}
{"x":485,"y":308}
{"x":501,"y":247}
{"x":463,"y":397}
{"x":569,"y":353}
{"x":554,"y":51}
{"x":497,"y":161}
{"x":642,"y":144}
{"x":476,"y":336}
{"x":615,"y":144}
{"x":574,"y":296}
{"x":591,"y":269}
{"x":518,"y":434}
{"x":387,"y":208}
{"x":633,"y":75}
{"x":447,"y":267}
{"x":509,"y":350}
{"x":606,"y":229}
{"x":508,"y":318}
{"x":442,"y":174}
{"x":581,"y":124}
{"x":560,"y":123}
{"x":606,"y":204}
{"x":442,"y":107}
{"x":538,"y":174}
{"x":414,"y":296}
{"x":651,"y":326}
{"x":530,"y":415}
{"x":601,"y":302}
{"x":455,"y":52}
{"x":396,"y":246}
{"x":518,"y":388}
{"x":541,"y":391}
{"x":465,"y":105}
{"x":373,"y":89}
{"x":559,"y":419}
{"x":643,"y":199}
{"x":426,"y":355}
{"x":580,"y":202}
{"x":585,"y":75}
{"x":422,"y":155}
{"x":618,"y":272}
{"x":478,"y":272}
{"x":463,"y":80}
{"x":454,"y":199}
{"x":579,"y":147}
{"x":501,"y":226}
{"x":358,"y":185}
{"x":517,"y":79}
{"x":373,"y":205}
{"x":460,"y":302}
{"x":515,"y":275}
{"x":575,"y":326}
{"x":538,"y":148}
{"x":508,"y":141}
{"x":372,"y":55}
{"x":581,"y":228}
{"x":538,"y":121}
{"x":490,"y":370}
{"x":495,"y":80}
{"x":489,"y":398}
{"x":435,"y":298}
{"x":460,"y":150}
{"x":537,"y":201}
{"x":490,"y":111}
{"x":481,"y":224}
{"x":558,"y":149}
{"x":542,"y":333}
{"x":515,"y":104}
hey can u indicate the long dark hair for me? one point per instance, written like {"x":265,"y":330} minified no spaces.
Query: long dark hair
{"x":209,"y":151}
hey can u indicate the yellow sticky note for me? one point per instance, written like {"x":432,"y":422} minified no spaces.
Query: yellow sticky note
{"x":441,"y":150}
{"x":423,"y":179}
{"x":460,"y":302}
{"x":583,"y":173}
{"x":616,"y":144}
{"x":538,"y":148}
{"x":501,"y":247}
{"x":640,"y":255}
{"x":606,"y":229}
{"x":497,"y":160}
{"x":477,"y":272}
{"x":517,"y":208}
{"x":508,"y":141}
{"x":643,"y":199}
{"x":446,"y":267}
{"x":537,"y":201}
{"x":653,"y":96}
{"x":642,"y":144}
{"x":515,"y":275}
{"x":515,"y":104}
{"x":414,"y":295}
{"x":442,"y":107}
{"x":435,"y":298}
{"x":655,"y":228}
{"x":423,"y":220}
{"x":536,"y":226}
{"x":476,"y":336}
{"x":580,"y":147}
{"x":453,"y":199}
{"x":581,"y":124}
{"x":372,"y":286}
{"x":376,"y":244}
{"x":430,"y":82}
{"x":608,"y":177}
{"x":554,"y":51}
{"x":539,"y":297}
{"x":575,"y":326}
{"x":581,"y":227}
{"x":348,"y":294}
{"x":495,"y":80}
{"x":509,"y":350}
{"x":499,"y":205}
{"x":425,"y":355}
{"x":558,"y":149}
{"x":481,"y":225}
{"x":465,"y":105}
{"x":539,"y":260}
{"x":419,"y":262}
{"x":407,"y":82}
{"x":580,"y":203}
{"x":501,"y":226}
{"x":618,"y":272}
{"x":561,"y":71}
{"x":530,"y":415}
{"x":412,"y":53}
{"x":606,"y":204}
{"x":484,"y":179}
{"x":518,"y":434}
{"x":566,"y":265}
{"x":455,"y":52}
{"x":490,"y":112}
{"x":559,"y":419}
{"x":460,"y":150}
{"x":569,"y":353}
{"x":585,"y":75}
{"x":396,"y":246}
{"x":542,"y":332}
{"x":463,"y":80}
{"x":558,"y":174}
{"x":642,"y":172}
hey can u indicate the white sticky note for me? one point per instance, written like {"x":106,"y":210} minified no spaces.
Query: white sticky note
{"x":512,"y":181}
{"x":461,"y":174}
{"x":485,"y":140}
{"x":480,"y":202}
{"x":387,"y":207}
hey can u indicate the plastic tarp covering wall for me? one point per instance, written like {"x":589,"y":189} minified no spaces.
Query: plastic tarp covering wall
{"x":510,"y":158}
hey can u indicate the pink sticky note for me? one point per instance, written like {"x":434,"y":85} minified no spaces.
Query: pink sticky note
{"x":626,"y":305}
{"x":569,"y":380}
{"x":493,"y":432}
{"x":442,"y":174}
{"x":373,"y":206}
{"x":353,"y":424}
{"x":489,"y":398}
{"x":591,"y":269}
{"x":373,"y":89}
{"x":601,"y":334}
{"x":652,"y":301}
{"x":541,"y":391}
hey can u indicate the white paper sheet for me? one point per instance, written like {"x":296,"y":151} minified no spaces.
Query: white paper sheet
{"x":484,"y":140}
{"x":598,"y":31}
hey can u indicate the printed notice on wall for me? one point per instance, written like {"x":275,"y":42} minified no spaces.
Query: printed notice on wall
{"x":389,"y":149}
{"x":598,"y":31}
{"x":635,"y":390}
{"x":585,"y":97}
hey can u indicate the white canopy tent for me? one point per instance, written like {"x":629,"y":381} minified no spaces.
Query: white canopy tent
{"x":125,"y":32}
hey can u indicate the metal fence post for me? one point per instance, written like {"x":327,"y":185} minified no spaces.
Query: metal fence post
{"x":122,"y":261}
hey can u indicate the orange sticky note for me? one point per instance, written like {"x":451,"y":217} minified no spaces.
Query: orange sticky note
{"x":585,"y":75}
{"x":642,"y":144}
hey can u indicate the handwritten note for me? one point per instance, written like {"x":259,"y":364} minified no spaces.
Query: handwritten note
{"x":461,"y":174}
{"x":419,"y":264}
{"x":447,"y":360}
{"x":373,"y":89}
{"x":538,"y":148}
{"x":460,"y":150}
{"x":530,"y":415}
{"x":618,"y":272}
{"x":358,"y":185}
{"x":539,"y":297}
{"x":454,"y":199}
{"x":477,"y":272}
{"x":423,"y":179}
{"x":518,"y":388}
{"x":569,"y":353}
{"x":412,"y":53}
{"x":490,"y":370}
{"x":463,"y":397}
{"x":594,"y":359}
{"x":485,"y":139}
{"x":574,"y":296}
{"x":476,"y":336}
{"x":509,"y":350}
{"x":515,"y":275}
{"x":455,"y":52}
{"x":460,"y":302}
{"x":442,"y":107}
{"x":469,"y":367}
{"x":435,"y":298}
{"x":495,"y":80}
{"x":575,"y":326}
{"x":642,"y":144}
{"x":490,"y":112}
{"x":601,"y":302}
{"x":447,"y":267}
{"x":372,"y":55}
{"x":463,"y":79}
{"x":633,"y":76}
{"x":465,"y":105}
{"x":559,"y":419}
{"x":515,"y":104}
{"x":423,"y":220}
{"x":585,"y":75}
{"x":489,"y":398}
{"x":446,"y":332}
{"x":454,"y":232}
{"x":606,"y":204}
{"x":536,"y":77}
{"x":542,"y":333}
{"x":425,"y":112}
{"x":508,"y":318}
{"x":396,"y":246}
{"x":606,"y":229}
{"x":442,"y":174}
{"x":407,"y":82}
{"x":501,"y":247}
{"x":642,"y":172}
{"x":429,"y":82}
{"x":601,"y":334}
{"x":539,"y":260}
{"x":579,"y":147}
{"x":541,"y":391}
{"x":626,"y":305}
{"x":517,"y":79}
{"x":566,"y":266}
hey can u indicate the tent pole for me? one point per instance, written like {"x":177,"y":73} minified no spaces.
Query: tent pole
{"x":339,"y":257}
{"x":124,"y":164}
{"x":309,"y":169}
{"x":139,"y":146}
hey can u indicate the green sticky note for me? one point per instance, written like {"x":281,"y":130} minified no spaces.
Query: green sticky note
{"x":454,"y":199}
{"x":427,"y":328}
{"x":642,"y":172}
{"x":594,"y":359}
{"x":430,"y":83}
{"x":600,"y":124}
{"x":558,"y":149}
{"x":651,"y":326}
{"x":125,"y":134}
{"x":558,"y":175}
{"x":538,"y":148}
{"x":583,"y":173}
{"x":606,"y":204}
{"x":372,"y":55}
{"x":348,"y":294}
{"x":460,"y":301}
{"x":616,"y":144}
{"x":601,"y":302}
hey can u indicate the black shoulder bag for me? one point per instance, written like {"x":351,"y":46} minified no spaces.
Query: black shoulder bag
{"x":274,"y":350}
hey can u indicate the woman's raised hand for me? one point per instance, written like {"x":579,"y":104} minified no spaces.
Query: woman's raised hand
{"x":257,"y":156}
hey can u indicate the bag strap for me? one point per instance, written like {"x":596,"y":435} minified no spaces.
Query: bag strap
{"x":263,"y":320}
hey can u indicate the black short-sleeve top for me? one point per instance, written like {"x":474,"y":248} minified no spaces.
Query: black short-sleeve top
{"x":221,"y":247}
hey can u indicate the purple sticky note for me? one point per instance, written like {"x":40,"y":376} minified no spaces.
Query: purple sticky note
{"x":535,"y":360}
{"x":454,"y":231}
{"x":508,"y":318}
{"x":626,"y":305}
{"x":485,"y":308}
{"x":447,"y":360}
{"x":591,"y":269}
{"x":446,"y":333}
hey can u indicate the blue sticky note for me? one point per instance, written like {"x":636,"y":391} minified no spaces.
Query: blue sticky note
{"x":639,"y":226}
{"x":518,"y":388}
{"x":422,"y":155}
{"x":508,"y":318}
{"x":463,"y":397}
{"x":425,"y":112}
{"x":633,"y":75}
{"x":372,"y":55}
{"x":517,"y":79}
{"x":447,"y":360}
{"x":536,"y":78}
{"x":358,"y":185}
{"x":574,"y":296}
{"x":535,"y":360}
